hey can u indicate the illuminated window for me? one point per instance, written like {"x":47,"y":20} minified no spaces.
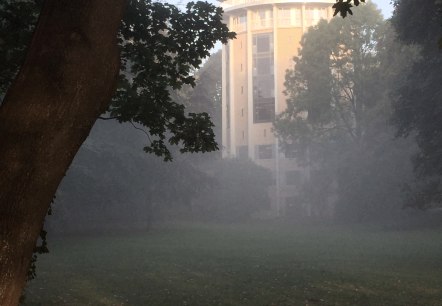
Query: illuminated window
{"x":262,"y":19}
{"x":284,"y":16}
{"x":314,"y":15}
{"x":263,"y":78}
{"x":240,"y":23}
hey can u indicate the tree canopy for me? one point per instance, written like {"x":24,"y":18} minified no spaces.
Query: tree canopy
{"x":161,"y":46}
{"x":336,"y":120}
{"x":418,"y":108}
{"x":55,"y":85}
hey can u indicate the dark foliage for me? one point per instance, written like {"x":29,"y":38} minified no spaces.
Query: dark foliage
{"x":343,"y":7}
{"x":238,"y":190}
{"x":336,"y":119}
{"x":161,"y":46}
{"x":17,"y":21}
{"x":418,"y":107}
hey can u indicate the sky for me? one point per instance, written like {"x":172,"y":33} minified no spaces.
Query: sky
{"x":385,"y":6}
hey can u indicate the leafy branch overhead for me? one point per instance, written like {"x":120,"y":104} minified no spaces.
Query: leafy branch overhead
{"x":161,"y":48}
{"x":343,"y":7}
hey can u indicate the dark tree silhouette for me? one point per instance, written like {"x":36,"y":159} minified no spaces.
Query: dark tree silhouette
{"x":67,"y":80}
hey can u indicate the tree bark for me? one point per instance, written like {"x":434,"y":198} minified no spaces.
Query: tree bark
{"x":66,"y":82}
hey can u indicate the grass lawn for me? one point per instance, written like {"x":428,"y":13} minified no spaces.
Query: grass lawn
{"x":258,"y":264}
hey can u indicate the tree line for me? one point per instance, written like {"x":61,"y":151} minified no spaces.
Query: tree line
{"x":72,"y":73}
{"x":362,"y":106}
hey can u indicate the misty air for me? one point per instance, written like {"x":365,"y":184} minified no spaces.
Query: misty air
{"x":231,"y":152}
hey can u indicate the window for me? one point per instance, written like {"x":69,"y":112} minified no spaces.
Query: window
{"x":289,"y":17}
{"x":263,"y":78}
{"x":314,"y":15}
{"x":264,"y":65}
{"x":242,"y":152}
{"x":264,"y":110}
{"x":227,"y":87}
{"x":297,"y":17}
{"x":240,"y":19}
{"x":239,"y":23}
{"x":228,"y":115}
{"x":289,"y":151}
{"x":264,"y":152}
{"x":263,"y":43}
{"x":309,"y":16}
{"x":284,"y":16}
{"x":262,"y":19}
{"x":291,"y":202}
{"x":293,"y":177}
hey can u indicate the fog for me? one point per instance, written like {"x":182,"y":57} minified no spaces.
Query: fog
{"x":324,"y":188}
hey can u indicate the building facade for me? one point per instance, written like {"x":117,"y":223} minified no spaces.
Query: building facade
{"x":254,"y":66}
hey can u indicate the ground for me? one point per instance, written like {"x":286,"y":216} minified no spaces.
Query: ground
{"x":253,"y":264}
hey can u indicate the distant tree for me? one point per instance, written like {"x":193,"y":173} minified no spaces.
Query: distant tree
{"x":112,"y":184}
{"x":336,"y":118}
{"x":325,"y":89}
{"x":206,"y":95}
{"x":68,"y":79}
{"x":418,"y":106}
{"x":238,"y":190}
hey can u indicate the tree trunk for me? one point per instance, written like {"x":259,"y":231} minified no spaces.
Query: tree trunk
{"x":66,"y":82}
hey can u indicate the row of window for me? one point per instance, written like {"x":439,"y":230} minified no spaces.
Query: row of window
{"x":263,"y":78}
{"x":262,"y":152}
{"x":286,"y":17}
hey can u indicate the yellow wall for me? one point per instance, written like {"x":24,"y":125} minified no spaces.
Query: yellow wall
{"x":239,"y":87}
{"x":287,"y":39}
{"x":287,"y":47}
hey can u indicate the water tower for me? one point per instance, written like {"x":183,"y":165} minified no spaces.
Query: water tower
{"x":254,"y":66}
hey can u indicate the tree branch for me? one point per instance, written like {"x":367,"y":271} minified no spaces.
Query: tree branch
{"x":140,"y":129}
{"x":108,"y":118}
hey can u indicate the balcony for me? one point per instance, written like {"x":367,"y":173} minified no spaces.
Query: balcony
{"x":258,"y":24}
{"x":230,"y":5}
{"x":238,"y":28}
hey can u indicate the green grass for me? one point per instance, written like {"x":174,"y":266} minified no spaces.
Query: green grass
{"x":266,"y":264}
